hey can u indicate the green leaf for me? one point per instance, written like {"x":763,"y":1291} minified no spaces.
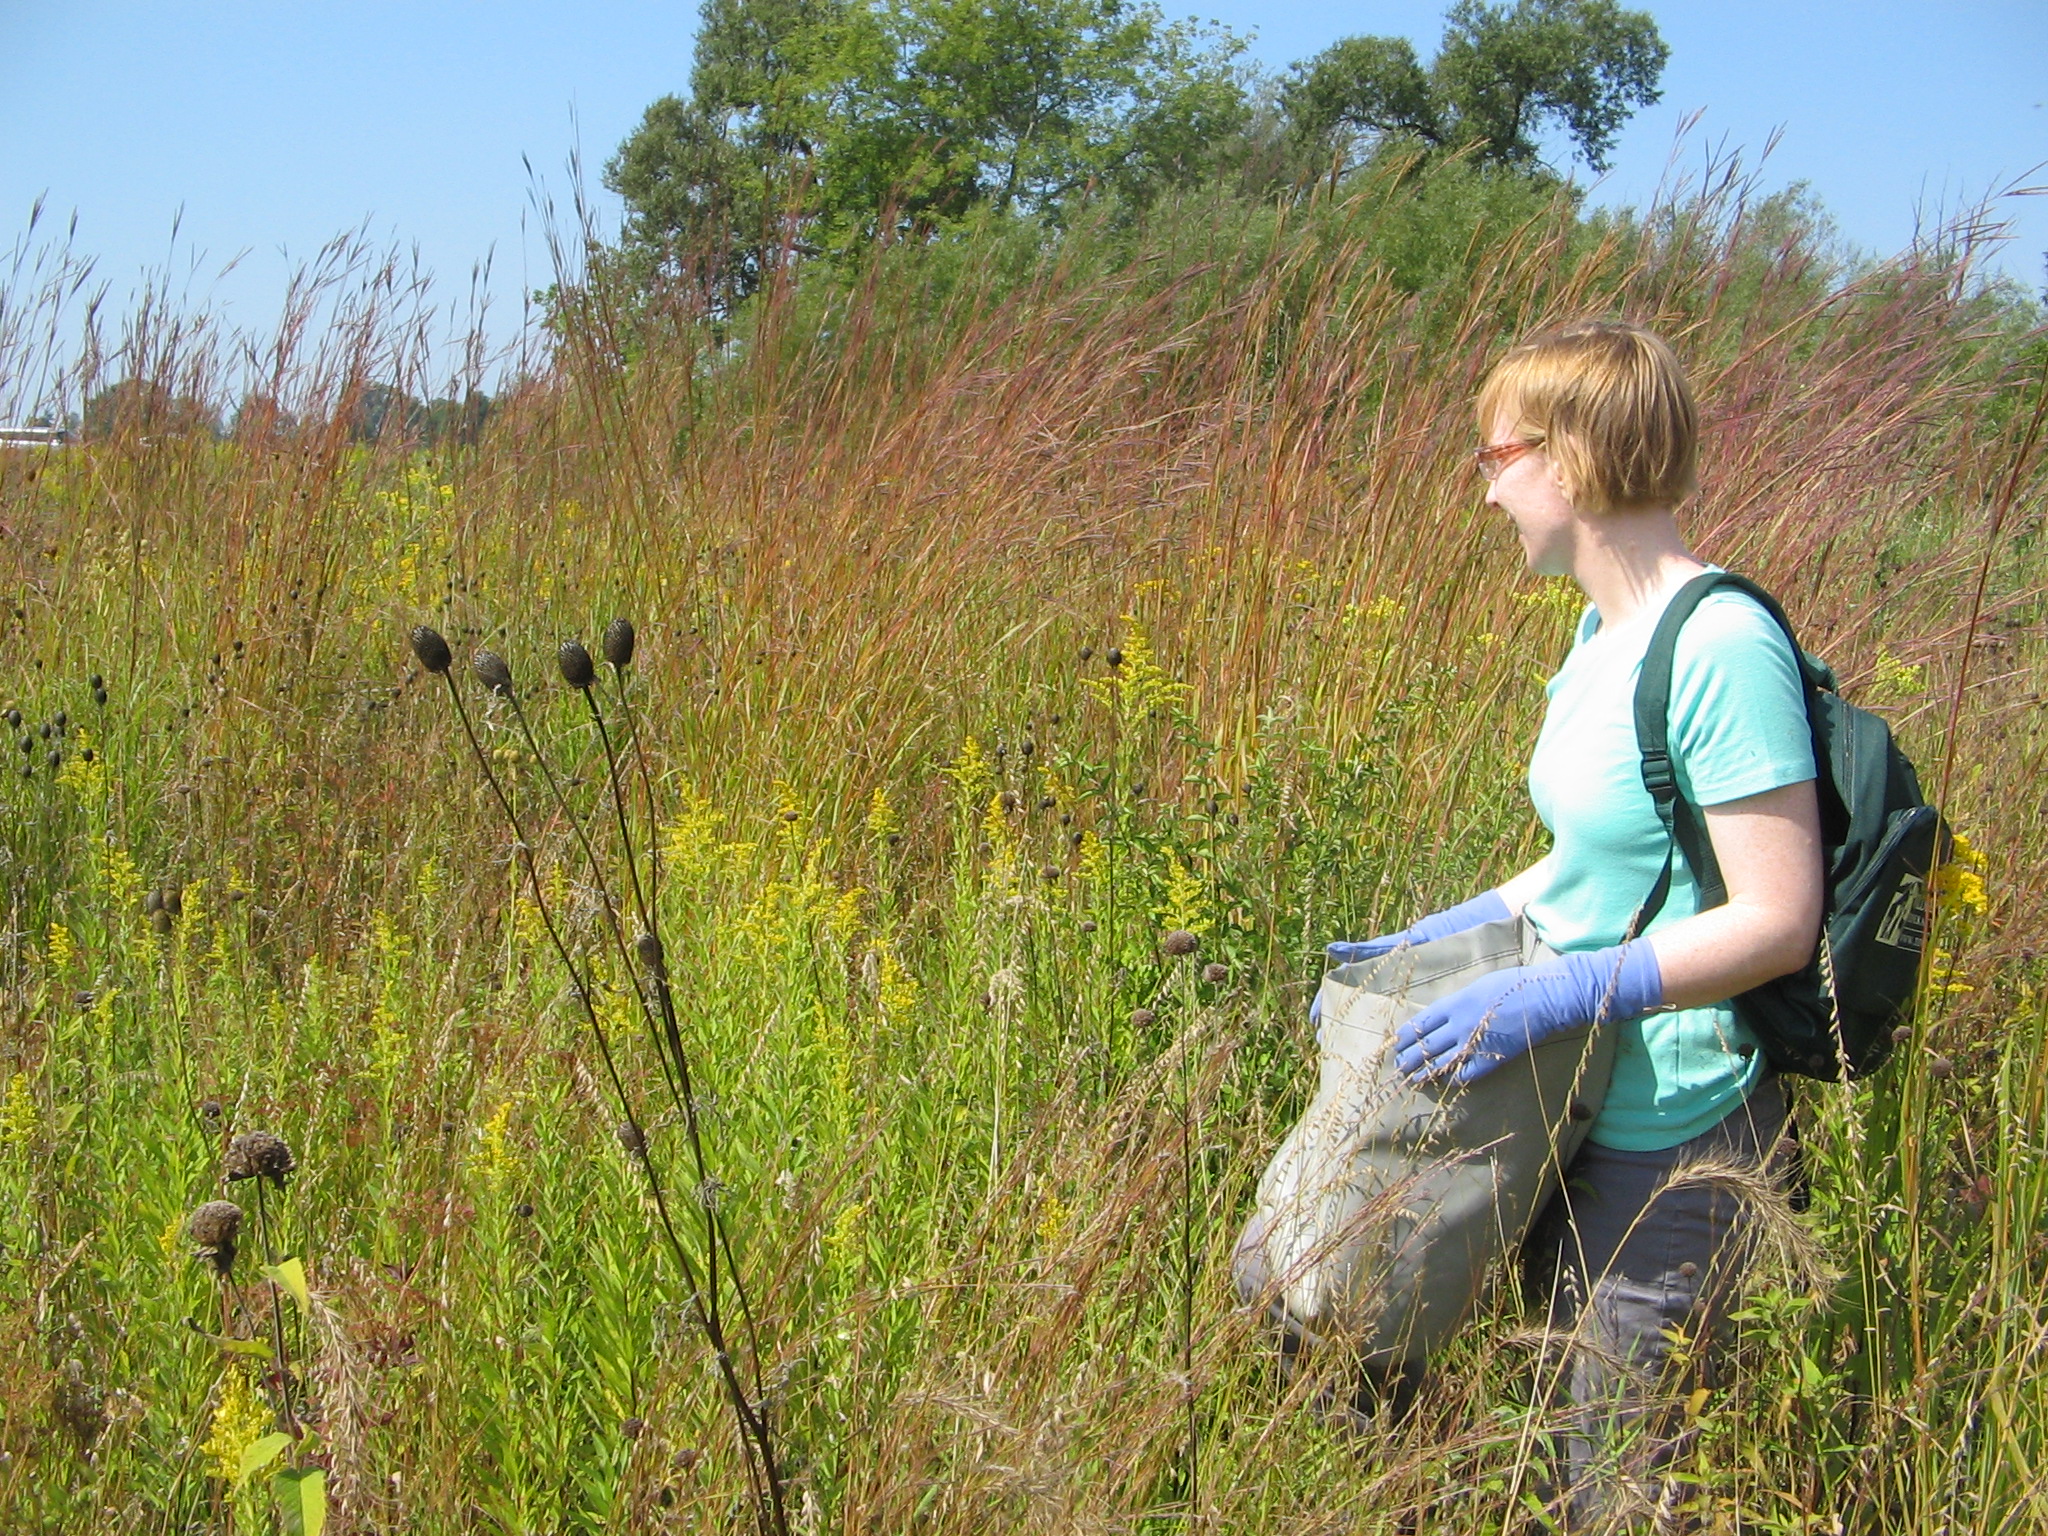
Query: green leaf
{"x":261,"y":1453}
{"x":302,"y":1500}
{"x":291,"y":1274}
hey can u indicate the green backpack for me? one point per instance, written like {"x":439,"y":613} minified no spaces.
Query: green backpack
{"x":1880,"y":841}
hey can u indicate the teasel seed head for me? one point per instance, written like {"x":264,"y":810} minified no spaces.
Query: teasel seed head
{"x":1179,"y":941}
{"x":578,"y":671}
{"x":618,"y":642}
{"x":1216,"y":972}
{"x":431,"y":649}
{"x":492,"y":672}
{"x":652,"y":955}
{"x":213,"y":1229}
{"x":258,"y":1154}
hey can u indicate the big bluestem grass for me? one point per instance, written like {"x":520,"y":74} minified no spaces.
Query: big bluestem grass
{"x":987,"y":1147}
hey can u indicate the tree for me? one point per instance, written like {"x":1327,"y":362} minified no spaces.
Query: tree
{"x":1500,"y":74}
{"x":816,"y":125}
{"x":147,"y":409}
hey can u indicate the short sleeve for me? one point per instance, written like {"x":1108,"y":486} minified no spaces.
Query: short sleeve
{"x":1738,"y":706}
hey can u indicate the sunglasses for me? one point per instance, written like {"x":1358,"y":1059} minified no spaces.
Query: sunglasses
{"x":1490,"y":461}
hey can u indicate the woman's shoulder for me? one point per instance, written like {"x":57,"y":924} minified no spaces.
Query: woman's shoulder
{"x":1730,"y":625}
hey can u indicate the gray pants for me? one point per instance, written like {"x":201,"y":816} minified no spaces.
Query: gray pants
{"x":1630,"y":1268}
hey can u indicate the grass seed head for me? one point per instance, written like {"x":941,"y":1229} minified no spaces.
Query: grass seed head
{"x":213,"y":1229}
{"x":492,"y":672}
{"x":618,"y":642}
{"x":1179,"y":941}
{"x":431,"y":649}
{"x":578,"y":671}
{"x":259,"y":1155}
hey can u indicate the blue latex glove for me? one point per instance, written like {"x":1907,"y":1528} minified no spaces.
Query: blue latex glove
{"x":1498,"y":1017}
{"x":1487,"y":907}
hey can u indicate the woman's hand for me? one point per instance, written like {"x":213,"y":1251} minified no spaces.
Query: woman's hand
{"x":1505,"y":1014}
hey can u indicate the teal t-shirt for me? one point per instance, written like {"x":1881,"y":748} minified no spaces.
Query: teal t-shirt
{"x":1738,"y":728}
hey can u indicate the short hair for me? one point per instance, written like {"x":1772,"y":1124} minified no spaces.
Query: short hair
{"x":1609,"y":403}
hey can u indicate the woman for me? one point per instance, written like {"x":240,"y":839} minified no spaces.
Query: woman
{"x":1589,"y":436}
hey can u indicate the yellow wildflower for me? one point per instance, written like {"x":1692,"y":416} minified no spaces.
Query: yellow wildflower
{"x":1959,"y":884}
{"x":1893,"y":679}
{"x":882,"y":818}
{"x":971,"y":772}
{"x":843,"y":1237}
{"x":1052,"y":1222}
{"x":1094,"y":859}
{"x":61,"y":951}
{"x":896,"y":991}
{"x":19,"y":1120}
{"x":1186,"y":903}
{"x":239,"y":1421}
{"x":495,"y":1161}
{"x":1140,"y":686}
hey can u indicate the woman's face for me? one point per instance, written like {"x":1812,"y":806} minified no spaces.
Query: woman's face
{"x":1527,"y":488}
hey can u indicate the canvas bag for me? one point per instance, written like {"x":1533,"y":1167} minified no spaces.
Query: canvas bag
{"x":1389,"y":1204}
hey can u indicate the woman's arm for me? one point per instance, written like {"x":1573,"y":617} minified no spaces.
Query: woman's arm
{"x":1519,"y":890}
{"x":1768,"y":847}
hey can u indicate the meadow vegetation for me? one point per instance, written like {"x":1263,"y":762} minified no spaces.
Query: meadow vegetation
{"x":1002,"y":605}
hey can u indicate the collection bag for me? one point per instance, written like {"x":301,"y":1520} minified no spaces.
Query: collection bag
{"x":1880,"y":839}
{"x":1389,"y":1204}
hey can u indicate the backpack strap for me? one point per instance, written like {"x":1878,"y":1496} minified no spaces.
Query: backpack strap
{"x":1683,"y":821}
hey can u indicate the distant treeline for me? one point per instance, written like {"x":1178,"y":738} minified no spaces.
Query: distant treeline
{"x":373,"y":413}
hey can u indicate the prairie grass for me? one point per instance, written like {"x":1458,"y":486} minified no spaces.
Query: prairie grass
{"x":980,"y":1145}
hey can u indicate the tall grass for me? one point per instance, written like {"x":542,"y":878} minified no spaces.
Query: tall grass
{"x":983,"y":1146}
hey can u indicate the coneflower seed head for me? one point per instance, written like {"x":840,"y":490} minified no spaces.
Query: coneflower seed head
{"x":213,"y":1228}
{"x":618,"y":642}
{"x":258,"y":1154}
{"x":431,"y":649}
{"x":578,"y":671}
{"x":492,"y":672}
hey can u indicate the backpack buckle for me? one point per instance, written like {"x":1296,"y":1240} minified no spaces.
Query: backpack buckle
{"x":1658,"y":778}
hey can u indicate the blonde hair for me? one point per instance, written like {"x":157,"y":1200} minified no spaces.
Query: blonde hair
{"x":1608,"y":402}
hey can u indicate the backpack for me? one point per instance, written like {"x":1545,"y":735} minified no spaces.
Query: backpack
{"x":1880,"y":840}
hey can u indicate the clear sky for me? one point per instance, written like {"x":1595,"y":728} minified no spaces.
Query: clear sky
{"x":273,"y":127}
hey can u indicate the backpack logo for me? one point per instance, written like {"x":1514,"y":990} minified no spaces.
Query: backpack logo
{"x":1905,"y":920}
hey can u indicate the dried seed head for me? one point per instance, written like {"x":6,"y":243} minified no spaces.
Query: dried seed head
{"x":687,"y":1458}
{"x":633,"y":1428}
{"x":78,"y":1405}
{"x":213,"y":1228}
{"x":431,"y":649}
{"x":578,"y":671}
{"x":153,"y":903}
{"x":174,"y":900}
{"x":1942,"y":1068}
{"x":1009,"y":800}
{"x":1216,"y":972}
{"x":632,"y":1138}
{"x":1143,"y":1018}
{"x":492,"y":672}
{"x":1902,"y":1034}
{"x":1087,"y":652}
{"x":258,"y":1155}
{"x":210,"y":1112}
{"x":1087,"y":925}
{"x":618,"y":642}
{"x":1179,"y":941}
{"x":648,"y":948}
{"x":1115,"y":657}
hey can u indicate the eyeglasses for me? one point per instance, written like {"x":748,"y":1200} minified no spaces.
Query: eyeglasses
{"x":1491,"y":460}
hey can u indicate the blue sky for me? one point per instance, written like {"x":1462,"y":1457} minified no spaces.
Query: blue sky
{"x":275,"y":127}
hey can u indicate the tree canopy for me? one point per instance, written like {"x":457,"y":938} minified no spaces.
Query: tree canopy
{"x":1501,"y":74}
{"x":814,"y":124}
